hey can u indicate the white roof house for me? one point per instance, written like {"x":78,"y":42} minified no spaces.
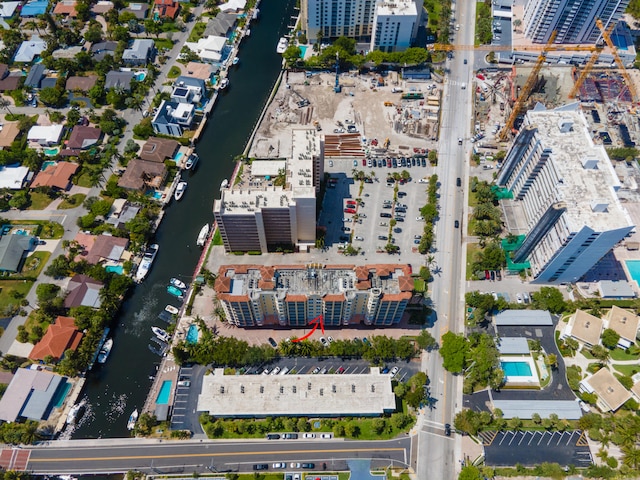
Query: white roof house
{"x":208,"y":49}
{"x":13,"y":178}
{"x":7,"y":9}
{"x":233,"y":6}
{"x":45,"y":134}
{"x":29,"y":49}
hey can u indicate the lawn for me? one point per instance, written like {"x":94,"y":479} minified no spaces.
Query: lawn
{"x":472,"y":249}
{"x":163,"y":43}
{"x":587,"y":354}
{"x":7,"y":287}
{"x":217,"y":238}
{"x":84,"y":180}
{"x":419,"y":285}
{"x":72,"y":202}
{"x":628,"y":370}
{"x":34,"y":263}
{"x":621,"y":355}
{"x":49,"y":230}
{"x":174,"y":72}
{"x":39,"y":201}
{"x":197,"y":32}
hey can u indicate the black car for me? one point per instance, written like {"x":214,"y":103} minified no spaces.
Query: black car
{"x":273,"y":343}
{"x":456,"y":224}
{"x":385,"y":215}
{"x":308,"y":465}
{"x":290,"y":436}
{"x":273,"y":436}
{"x":261,"y":466}
{"x":424,"y":162}
{"x":447,"y":429}
{"x":458,"y":182}
{"x":375,"y":162}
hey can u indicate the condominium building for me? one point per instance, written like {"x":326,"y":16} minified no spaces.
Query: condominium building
{"x":573,"y":20}
{"x":273,"y":203}
{"x":295,"y":295}
{"x":388,"y":26}
{"x":564,"y":188}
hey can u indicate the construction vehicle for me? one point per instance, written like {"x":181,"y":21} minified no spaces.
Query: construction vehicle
{"x":614,"y":51}
{"x":519,"y":104}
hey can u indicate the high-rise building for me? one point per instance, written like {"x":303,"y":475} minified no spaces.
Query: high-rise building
{"x":273,"y":204}
{"x":388,"y":25}
{"x":294,"y":295}
{"x":573,"y":20}
{"x":564,"y":188}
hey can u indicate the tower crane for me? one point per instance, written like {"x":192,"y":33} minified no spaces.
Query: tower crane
{"x":527,"y":88}
{"x":587,"y":69}
{"x":614,"y":51}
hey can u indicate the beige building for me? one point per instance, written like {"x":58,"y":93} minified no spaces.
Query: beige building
{"x":625,"y":323}
{"x":273,"y":203}
{"x":584,"y":327}
{"x":610,"y":392}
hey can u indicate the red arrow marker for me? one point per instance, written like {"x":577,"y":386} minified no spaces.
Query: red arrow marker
{"x":319,"y":320}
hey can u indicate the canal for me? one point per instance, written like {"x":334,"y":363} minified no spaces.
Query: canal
{"x":114,"y":389}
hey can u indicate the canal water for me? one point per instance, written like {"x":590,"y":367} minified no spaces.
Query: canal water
{"x":115,"y":389}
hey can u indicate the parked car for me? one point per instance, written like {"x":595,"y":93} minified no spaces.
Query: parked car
{"x":326,"y":435}
{"x":394,"y":371}
{"x":308,"y":435}
{"x":273,"y":436}
{"x":295,"y":465}
{"x":273,"y":343}
{"x":308,"y":465}
{"x":261,"y":466}
{"x":324,"y":342}
{"x":447,"y":429}
{"x":279,"y":465}
{"x":275,"y":371}
{"x":290,"y":436}
{"x":316,"y":370}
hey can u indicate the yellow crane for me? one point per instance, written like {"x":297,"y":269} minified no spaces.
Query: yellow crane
{"x":590,"y":64}
{"x":527,"y":88}
{"x":614,"y":51}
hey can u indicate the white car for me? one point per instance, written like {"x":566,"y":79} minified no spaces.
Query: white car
{"x":308,"y":435}
{"x":295,"y":465}
{"x":519,"y":298}
{"x":423,"y":180}
{"x":346,"y":220}
{"x":419,"y":219}
{"x":275,"y":371}
{"x":394,"y":371}
{"x":324,"y":342}
{"x":279,"y":465}
{"x":326,"y":435}
{"x":330,"y":339}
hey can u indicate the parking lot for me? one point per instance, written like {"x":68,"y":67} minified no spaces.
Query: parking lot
{"x":183,"y":413}
{"x":533,"y":448}
{"x":369,"y":231}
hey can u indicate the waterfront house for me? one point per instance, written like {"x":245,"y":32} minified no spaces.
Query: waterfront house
{"x":81,"y":84}
{"x":159,"y":149}
{"x":66,"y":8}
{"x":56,"y":176}
{"x":233,"y":6}
{"x":44,"y":135}
{"x":188,"y":90}
{"x":62,"y":335}
{"x":121,"y":213}
{"x":221,"y":25}
{"x":141,"y":52}
{"x":119,"y":80}
{"x":35,"y":76}
{"x":209,"y":49}
{"x":167,"y":8}
{"x":141,"y":175}
{"x":30,"y":49}
{"x":172,"y":118}
{"x":31,"y":395}
{"x":102,"y":49}
{"x":83,"y":291}
{"x":106,"y":247}
{"x":13,"y":251}
{"x":138,"y":9}
{"x":13,"y":178}
{"x":203,"y":71}
{"x":34,"y":9}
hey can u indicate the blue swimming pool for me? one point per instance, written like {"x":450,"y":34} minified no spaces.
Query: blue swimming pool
{"x":140,"y":76}
{"x":61,"y":394}
{"x":50,"y":152}
{"x":303,"y":50}
{"x":178,"y":157}
{"x":634,"y":269}
{"x":46,"y":164}
{"x":163,"y":394}
{"x":119,"y":269}
{"x":192,"y":334}
{"x":516,"y":369}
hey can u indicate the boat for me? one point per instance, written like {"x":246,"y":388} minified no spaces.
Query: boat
{"x":191,"y":162}
{"x":147,"y":260}
{"x":175,"y":291}
{"x":171,"y":309}
{"x":256,"y":13}
{"x":75,"y":413}
{"x":224,"y":184}
{"x":224,"y":84}
{"x":235,"y":60}
{"x":180,"y":189}
{"x":161,"y":334}
{"x":248,"y":34}
{"x":178,"y":283}
{"x":104,"y":352}
{"x":133,"y":418}
{"x":202,"y":236}
{"x":283,"y":43}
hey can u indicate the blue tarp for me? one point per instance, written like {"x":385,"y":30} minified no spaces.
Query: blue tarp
{"x":33,"y":9}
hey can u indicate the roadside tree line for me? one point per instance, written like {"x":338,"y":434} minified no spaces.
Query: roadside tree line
{"x":430,"y":214}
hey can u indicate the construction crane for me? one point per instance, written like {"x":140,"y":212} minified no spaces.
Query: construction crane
{"x":590,"y":64}
{"x":614,"y":51}
{"x":527,"y":88}
{"x":445,"y":47}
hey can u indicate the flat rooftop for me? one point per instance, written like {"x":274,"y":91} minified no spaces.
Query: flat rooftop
{"x":523,"y":318}
{"x":400,"y":7}
{"x":524,"y":409}
{"x":587,"y":181}
{"x":296,"y":395}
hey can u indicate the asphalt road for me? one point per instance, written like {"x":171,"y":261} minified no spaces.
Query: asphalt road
{"x":112,"y":456}
{"x":436,"y":452}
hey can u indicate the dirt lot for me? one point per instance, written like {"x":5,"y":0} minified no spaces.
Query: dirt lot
{"x":406,"y":123}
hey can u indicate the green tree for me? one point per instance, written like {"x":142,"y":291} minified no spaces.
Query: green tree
{"x":53,"y":96}
{"x":470,"y":472}
{"x":549,"y":298}
{"x":610,"y":338}
{"x":551,"y":360}
{"x":47,"y":292}
{"x":20,"y":200}
{"x":425,"y":340}
{"x":600,"y":352}
{"x":454,"y":350}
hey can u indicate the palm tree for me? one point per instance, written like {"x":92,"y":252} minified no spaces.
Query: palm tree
{"x":5,"y":104}
{"x":631,"y":456}
{"x":31,"y":25}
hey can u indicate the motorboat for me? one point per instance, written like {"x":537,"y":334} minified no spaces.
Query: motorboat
{"x":224,"y":83}
{"x":133,"y":418}
{"x":175,"y":291}
{"x":180,"y":189}
{"x":248,"y":34}
{"x":224,"y":184}
{"x":161,"y":334}
{"x":178,"y":283}
{"x":191,"y":162}
{"x":147,"y":260}
{"x":202,"y":236}
{"x":104,"y":352}
{"x":75,"y":413}
{"x":171,"y":309}
{"x":235,"y":60}
{"x":283,"y":43}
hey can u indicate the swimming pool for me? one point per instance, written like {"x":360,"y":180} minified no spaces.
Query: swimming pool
{"x":192,"y":334}
{"x":303,"y":50}
{"x":516,"y":369}
{"x":61,"y":394}
{"x":46,"y":164}
{"x":154,"y":194}
{"x":140,"y":76}
{"x":178,"y":157}
{"x":119,"y":269}
{"x":634,"y":269}
{"x":50,"y":152}
{"x":163,"y":394}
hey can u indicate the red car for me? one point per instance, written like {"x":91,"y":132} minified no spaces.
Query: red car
{"x":351,"y":202}
{"x":364,"y":162}
{"x":349,"y":210}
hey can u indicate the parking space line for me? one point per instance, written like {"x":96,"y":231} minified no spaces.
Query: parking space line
{"x":522,"y":438}
{"x":512,"y":438}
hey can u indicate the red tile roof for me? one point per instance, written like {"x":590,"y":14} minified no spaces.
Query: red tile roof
{"x":58,"y":176}
{"x":167,"y":8}
{"x":61,"y":335}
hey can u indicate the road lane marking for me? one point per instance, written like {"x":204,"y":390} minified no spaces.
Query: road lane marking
{"x":212,"y":454}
